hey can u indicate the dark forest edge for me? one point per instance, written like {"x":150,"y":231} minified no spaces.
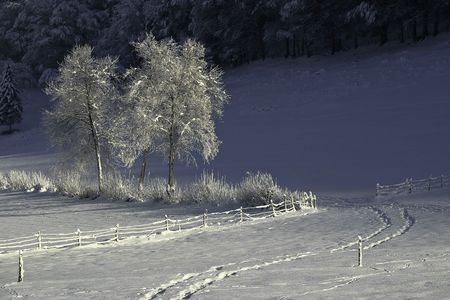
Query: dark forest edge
{"x":37,"y":34}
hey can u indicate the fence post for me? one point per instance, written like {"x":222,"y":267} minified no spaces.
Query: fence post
{"x":205,"y":218}
{"x":178,"y":224}
{"x":39,"y":240}
{"x":377,"y":193}
{"x":116,"y":231}
{"x":273,"y":208}
{"x":21,"y":268}
{"x":360,"y":251}
{"x":429,"y":183}
{"x":241,"y":213}
{"x":79,"y":236}
{"x":167,"y":222}
{"x":285,"y":203}
{"x":409,"y":184}
{"x":292,"y":203}
{"x":315,"y":201}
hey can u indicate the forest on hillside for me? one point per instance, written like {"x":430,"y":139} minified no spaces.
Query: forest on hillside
{"x":37,"y":34}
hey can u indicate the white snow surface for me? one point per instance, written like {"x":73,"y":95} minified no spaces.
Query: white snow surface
{"x":336,"y":125}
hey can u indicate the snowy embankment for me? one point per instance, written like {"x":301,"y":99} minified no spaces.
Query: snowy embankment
{"x":336,"y":125}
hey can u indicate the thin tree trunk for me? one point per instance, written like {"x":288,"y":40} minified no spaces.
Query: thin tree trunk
{"x":303,"y":45}
{"x":384,"y":34}
{"x":436,"y":24}
{"x":402,"y":33}
{"x":425,"y":25}
{"x":172,"y":153}
{"x":287,"y":48}
{"x":143,"y":169}
{"x":414,"y":31}
{"x":96,"y":148}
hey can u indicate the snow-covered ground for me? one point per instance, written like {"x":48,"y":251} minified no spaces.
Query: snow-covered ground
{"x":289,"y":257}
{"x":336,"y":125}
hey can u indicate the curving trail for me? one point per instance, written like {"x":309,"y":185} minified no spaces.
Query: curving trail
{"x":185,"y":286}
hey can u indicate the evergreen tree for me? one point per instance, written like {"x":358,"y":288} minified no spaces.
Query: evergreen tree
{"x":10,"y":104}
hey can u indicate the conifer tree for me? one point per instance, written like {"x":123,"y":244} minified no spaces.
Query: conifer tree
{"x":10,"y":104}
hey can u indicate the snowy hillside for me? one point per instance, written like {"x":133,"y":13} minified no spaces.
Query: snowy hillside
{"x":336,"y":125}
{"x":325,"y":123}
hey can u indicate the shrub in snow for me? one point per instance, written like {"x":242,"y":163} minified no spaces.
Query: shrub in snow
{"x":117,"y":187}
{"x":28,"y":181}
{"x":258,"y":189}
{"x":210,"y":189}
{"x":71,"y":184}
{"x":156,"y":190}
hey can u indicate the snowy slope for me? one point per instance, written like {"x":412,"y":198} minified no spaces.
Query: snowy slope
{"x":293,"y":257}
{"x":336,"y":125}
{"x":325,"y":123}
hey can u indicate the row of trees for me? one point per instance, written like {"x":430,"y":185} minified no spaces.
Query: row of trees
{"x":40,"y":32}
{"x":167,"y":104}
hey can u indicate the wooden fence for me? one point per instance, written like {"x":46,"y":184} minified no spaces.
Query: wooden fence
{"x":42,"y":240}
{"x":410,"y":185}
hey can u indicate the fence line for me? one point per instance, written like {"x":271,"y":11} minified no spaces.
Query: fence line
{"x":114,"y":234}
{"x":410,"y":185}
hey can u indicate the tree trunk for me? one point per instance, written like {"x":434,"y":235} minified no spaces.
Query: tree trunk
{"x":303,"y":46}
{"x":143,"y":169}
{"x":172,"y":153}
{"x":287,"y":48}
{"x":425,"y":25}
{"x":384,"y":34}
{"x":414,"y":31}
{"x":96,"y":148}
{"x":401,"y":36}
{"x":436,"y":24}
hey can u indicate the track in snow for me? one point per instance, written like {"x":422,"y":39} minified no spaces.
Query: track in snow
{"x":184,"y":286}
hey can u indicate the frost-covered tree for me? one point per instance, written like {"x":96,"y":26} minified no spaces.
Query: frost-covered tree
{"x":185,"y":95}
{"x":10,"y":104}
{"x":83,"y":93}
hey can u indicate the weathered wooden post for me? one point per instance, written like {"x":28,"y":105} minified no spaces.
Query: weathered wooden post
{"x":292,"y":203}
{"x":285,"y":203}
{"x":167,"y":222}
{"x":241,"y":213}
{"x":79,"y":236}
{"x":360,"y":251}
{"x":205,"y":218}
{"x":39,"y":240}
{"x":315,"y":201}
{"x":273,"y":208}
{"x":377,"y":193}
{"x":116,"y":232}
{"x":410,"y":186}
{"x":21,"y":268}
{"x":429,"y":183}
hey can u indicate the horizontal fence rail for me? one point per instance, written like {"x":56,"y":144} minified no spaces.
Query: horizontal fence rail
{"x":42,"y":240}
{"x":410,"y":185}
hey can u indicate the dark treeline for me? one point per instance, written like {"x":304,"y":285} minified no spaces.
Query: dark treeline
{"x":38,"y":33}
